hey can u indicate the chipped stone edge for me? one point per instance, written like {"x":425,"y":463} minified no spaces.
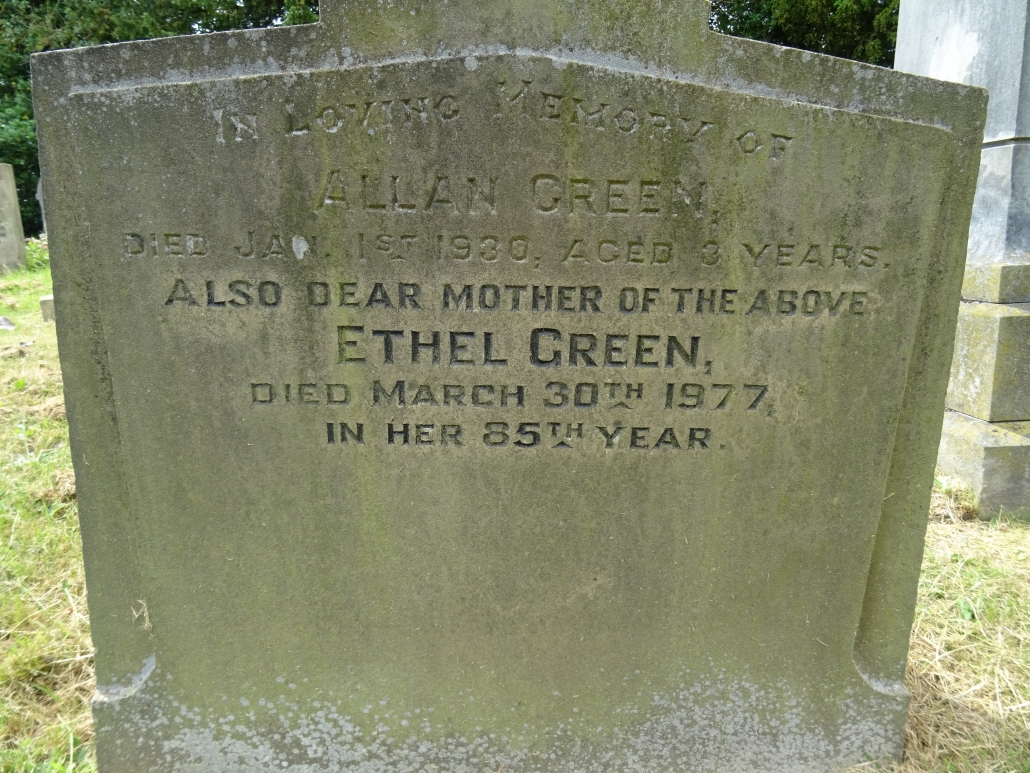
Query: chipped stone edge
{"x":115,"y":693}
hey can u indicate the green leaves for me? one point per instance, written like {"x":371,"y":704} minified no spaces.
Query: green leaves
{"x":18,"y":147}
{"x":965,"y":609}
{"x":865,"y":30}
{"x":300,"y":12}
{"x":37,"y":257}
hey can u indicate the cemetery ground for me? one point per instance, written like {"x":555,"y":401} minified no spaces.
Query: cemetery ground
{"x":969,"y":669}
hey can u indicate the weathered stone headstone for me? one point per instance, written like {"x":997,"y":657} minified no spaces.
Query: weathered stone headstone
{"x":12,"y":237}
{"x":485,"y":386}
{"x":39,"y":198}
{"x":986,"y":443}
{"x":46,"y":308}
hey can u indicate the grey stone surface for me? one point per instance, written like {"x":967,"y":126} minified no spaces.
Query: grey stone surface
{"x":46,"y":308}
{"x":472,"y":386}
{"x":972,"y":42}
{"x":39,"y":198}
{"x":983,"y":44}
{"x":12,"y":238}
{"x":990,"y":371}
{"x":1001,"y":210}
{"x":992,"y":458}
{"x":997,"y":282}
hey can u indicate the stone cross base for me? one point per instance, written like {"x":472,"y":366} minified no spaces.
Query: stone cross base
{"x":986,"y":440}
{"x":985,"y":444}
{"x":992,"y":458}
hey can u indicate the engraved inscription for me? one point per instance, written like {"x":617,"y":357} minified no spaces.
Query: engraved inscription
{"x":236,"y":127}
{"x":369,"y":114}
{"x":560,"y":300}
{"x":547,"y":359}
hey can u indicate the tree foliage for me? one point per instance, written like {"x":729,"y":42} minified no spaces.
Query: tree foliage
{"x":31,"y":26}
{"x":866,"y":30}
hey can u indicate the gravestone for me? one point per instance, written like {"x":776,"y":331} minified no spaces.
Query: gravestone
{"x":39,"y":199}
{"x":46,"y":308}
{"x":12,"y":238}
{"x":483,"y":386}
{"x":986,"y":443}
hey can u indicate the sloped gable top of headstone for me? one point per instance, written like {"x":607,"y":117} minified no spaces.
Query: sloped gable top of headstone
{"x":666,"y":39}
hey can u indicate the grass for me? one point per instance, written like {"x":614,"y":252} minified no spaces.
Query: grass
{"x":45,"y":652}
{"x":969,"y":660}
{"x":969,"y":670}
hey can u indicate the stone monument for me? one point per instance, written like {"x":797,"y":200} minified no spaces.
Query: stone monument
{"x":46,"y":308}
{"x":986,"y":440}
{"x":474,"y":386}
{"x":12,"y":237}
{"x":39,"y":200}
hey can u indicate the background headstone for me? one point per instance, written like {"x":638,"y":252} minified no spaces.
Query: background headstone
{"x":46,"y":308}
{"x":12,"y":238}
{"x":480,"y":386}
{"x":39,"y":198}
{"x":985,"y":443}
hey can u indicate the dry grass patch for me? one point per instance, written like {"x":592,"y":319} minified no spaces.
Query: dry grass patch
{"x":969,"y":664}
{"x":46,"y":660}
{"x":970,"y":659}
